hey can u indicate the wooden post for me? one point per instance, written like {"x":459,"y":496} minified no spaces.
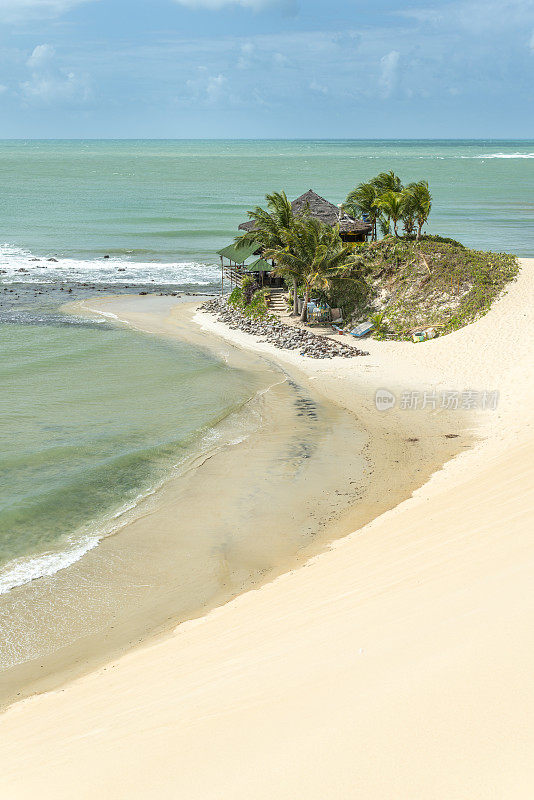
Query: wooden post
{"x":222,"y":278}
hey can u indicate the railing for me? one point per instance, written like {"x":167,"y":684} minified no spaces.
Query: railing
{"x":234,"y":275}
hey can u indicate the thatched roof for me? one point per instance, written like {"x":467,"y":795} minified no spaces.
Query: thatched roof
{"x":322,"y":210}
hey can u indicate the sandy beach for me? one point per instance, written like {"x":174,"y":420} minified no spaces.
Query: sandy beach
{"x":396,"y":663}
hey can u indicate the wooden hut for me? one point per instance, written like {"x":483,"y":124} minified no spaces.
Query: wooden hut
{"x":350,"y":229}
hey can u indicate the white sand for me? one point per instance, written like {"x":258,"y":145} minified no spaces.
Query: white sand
{"x":399,"y":664}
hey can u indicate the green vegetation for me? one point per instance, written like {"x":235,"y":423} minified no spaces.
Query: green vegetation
{"x":380,"y":328}
{"x":272,"y":231}
{"x":308,"y":254}
{"x":249,"y":299}
{"x":384,"y":200}
{"x":316,"y":254}
{"x":399,"y":283}
{"x":430,"y":282}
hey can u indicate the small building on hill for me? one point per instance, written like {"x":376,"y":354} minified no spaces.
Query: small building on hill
{"x":350,"y":229}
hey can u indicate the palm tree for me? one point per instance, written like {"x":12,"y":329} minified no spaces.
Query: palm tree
{"x":420,"y":203}
{"x":386,"y":182}
{"x":391,"y":204}
{"x":408,"y":211}
{"x":361,"y":202}
{"x":271,"y":231}
{"x":315,"y":252}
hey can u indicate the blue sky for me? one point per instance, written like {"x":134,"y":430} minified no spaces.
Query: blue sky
{"x":267,"y":68}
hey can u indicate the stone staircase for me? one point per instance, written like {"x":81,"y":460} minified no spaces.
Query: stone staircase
{"x":278,"y":303}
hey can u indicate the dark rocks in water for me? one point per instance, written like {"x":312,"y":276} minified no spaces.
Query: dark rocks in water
{"x":22,"y":269}
{"x":120,"y":269}
{"x":143,"y":292}
{"x":52,"y":259}
{"x":106,"y":256}
{"x":35,"y":259}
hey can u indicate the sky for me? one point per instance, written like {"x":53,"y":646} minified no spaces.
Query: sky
{"x":267,"y":69}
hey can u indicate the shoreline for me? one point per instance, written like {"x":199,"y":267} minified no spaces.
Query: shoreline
{"x":414,"y":586}
{"x":347,"y":500}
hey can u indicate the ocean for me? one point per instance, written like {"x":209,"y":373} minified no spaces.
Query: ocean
{"x":76,"y":444}
{"x":92,"y":419}
{"x":161,"y":209}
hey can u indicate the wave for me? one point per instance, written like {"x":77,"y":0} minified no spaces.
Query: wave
{"x":501,"y":155}
{"x":232,"y":428}
{"x":26,"y":569}
{"x":18,"y":265}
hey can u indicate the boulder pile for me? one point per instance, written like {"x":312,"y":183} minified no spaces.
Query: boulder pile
{"x":285,"y":337}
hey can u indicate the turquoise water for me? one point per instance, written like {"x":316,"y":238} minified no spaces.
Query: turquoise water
{"x":163,"y":208}
{"x":91,"y":418}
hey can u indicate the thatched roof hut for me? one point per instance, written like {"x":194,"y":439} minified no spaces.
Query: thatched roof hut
{"x":350,"y":229}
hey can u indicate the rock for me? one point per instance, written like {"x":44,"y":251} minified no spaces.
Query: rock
{"x":106,"y":256}
{"x":52,"y":259}
{"x":285,"y":337}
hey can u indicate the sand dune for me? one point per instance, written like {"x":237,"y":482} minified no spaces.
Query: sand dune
{"x":398,"y":664}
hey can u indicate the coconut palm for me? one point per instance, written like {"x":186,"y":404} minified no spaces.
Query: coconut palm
{"x":420,"y":203}
{"x":408,"y":211}
{"x":386,"y":182}
{"x":271,"y":231}
{"x":362,"y":200}
{"x":315,"y":252}
{"x":361,"y":203}
{"x":391,"y":204}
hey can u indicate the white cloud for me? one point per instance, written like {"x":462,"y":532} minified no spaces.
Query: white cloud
{"x":215,"y":87}
{"x":207,"y":88}
{"x":245,"y":59}
{"x":255,"y":5}
{"x":50,"y":83}
{"x":280,"y":60}
{"x":474,"y":16}
{"x":317,"y":87}
{"x":41,"y":57}
{"x":21,"y":10}
{"x":389,"y":66}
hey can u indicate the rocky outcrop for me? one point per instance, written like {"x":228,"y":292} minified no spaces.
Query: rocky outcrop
{"x":285,"y":337}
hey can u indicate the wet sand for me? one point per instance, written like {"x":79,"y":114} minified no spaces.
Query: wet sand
{"x":303,"y":469}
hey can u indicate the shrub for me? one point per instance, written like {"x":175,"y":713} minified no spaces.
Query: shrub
{"x":257,"y":307}
{"x":380,"y":327}
{"x":248,"y":287}
{"x":236,"y":298}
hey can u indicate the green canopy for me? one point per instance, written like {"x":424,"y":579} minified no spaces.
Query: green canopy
{"x":239,"y":255}
{"x":261,"y":265}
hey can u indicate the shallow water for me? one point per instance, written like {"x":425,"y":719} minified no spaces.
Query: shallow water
{"x":91,"y":418}
{"x":272,"y":487}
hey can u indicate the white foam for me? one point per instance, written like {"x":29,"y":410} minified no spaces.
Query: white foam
{"x":501,"y":155}
{"x":100,"y":270}
{"x":26,"y":569}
